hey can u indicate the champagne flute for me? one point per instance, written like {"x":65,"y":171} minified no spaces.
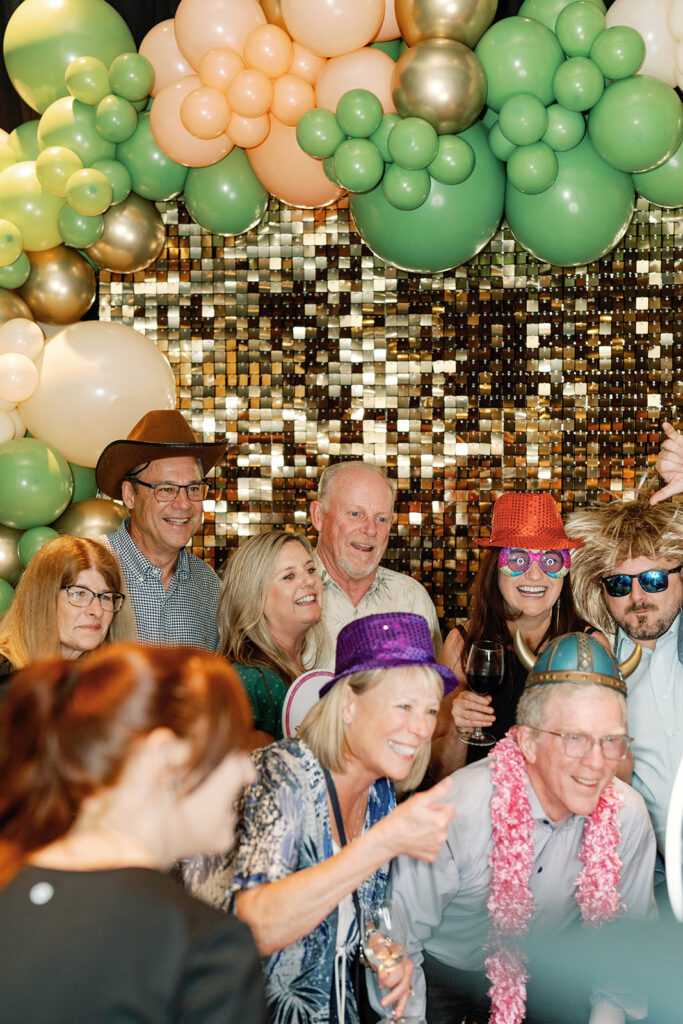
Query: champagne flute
{"x":484,"y":672}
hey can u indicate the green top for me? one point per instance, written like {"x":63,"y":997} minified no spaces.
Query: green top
{"x":266,"y":690}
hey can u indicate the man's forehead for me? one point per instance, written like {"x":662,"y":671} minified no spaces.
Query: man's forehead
{"x":584,"y":710}
{"x":173,"y":469}
{"x":632,"y":566}
{"x":359,"y":486}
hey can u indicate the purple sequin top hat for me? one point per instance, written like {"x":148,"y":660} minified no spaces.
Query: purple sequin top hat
{"x":392,"y":640}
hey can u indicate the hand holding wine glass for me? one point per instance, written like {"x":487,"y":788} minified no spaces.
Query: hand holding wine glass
{"x":384,"y":937}
{"x":484,"y":671}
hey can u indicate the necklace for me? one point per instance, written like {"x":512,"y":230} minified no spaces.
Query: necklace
{"x":510,"y":903}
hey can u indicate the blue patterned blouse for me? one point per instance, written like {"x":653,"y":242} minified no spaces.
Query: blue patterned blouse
{"x":285,"y":827}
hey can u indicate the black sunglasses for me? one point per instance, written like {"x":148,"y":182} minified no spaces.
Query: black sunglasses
{"x":653,"y":581}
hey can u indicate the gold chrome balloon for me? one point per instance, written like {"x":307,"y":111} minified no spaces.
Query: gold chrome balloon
{"x":133,"y":236}
{"x":11,"y":306}
{"x":91,"y":518}
{"x":10,"y":563}
{"x":61,"y":286}
{"x":463,"y":20}
{"x":442,"y":81}
{"x":273,"y":12}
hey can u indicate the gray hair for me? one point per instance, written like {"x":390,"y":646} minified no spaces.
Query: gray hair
{"x":329,"y":474}
{"x":532,"y":709}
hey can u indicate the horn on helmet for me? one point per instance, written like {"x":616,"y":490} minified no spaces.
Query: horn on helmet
{"x":632,"y":662}
{"x":523,"y":653}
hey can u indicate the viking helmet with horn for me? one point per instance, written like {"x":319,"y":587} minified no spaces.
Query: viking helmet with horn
{"x":575,"y":658}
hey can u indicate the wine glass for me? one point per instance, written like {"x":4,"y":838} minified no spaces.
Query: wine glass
{"x":384,"y":934}
{"x":484,"y":671}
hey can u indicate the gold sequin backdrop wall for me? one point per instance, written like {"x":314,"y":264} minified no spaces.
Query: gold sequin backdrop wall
{"x":504,"y":374}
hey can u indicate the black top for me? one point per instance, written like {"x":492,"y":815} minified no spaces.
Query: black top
{"x":125,"y":946}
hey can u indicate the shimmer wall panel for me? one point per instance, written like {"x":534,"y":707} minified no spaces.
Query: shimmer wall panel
{"x":504,"y":374}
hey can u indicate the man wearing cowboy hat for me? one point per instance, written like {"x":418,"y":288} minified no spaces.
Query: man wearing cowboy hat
{"x":158,"y":472}
{"x":544,"y":836}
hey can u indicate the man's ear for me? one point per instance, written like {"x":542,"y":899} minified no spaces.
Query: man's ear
{"x":526,"y":740}
{"x":317,"y":512}
{"x":128,"y":494}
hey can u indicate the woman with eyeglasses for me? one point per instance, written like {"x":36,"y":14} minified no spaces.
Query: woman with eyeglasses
{"x":70,"y":599}
{"x":522,"y":584}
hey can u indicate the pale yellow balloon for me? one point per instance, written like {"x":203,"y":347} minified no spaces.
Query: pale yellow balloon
{"x":91,"y":518}
{"x":463,"y":20}
{"x":10,"y":563}
{"x":61,"y":286}
{"x":18,"y":377}
{"x":96,"y":380}
{"x":133,"y":236}
{"x":442,"y":81}
{"x":21,"y":335}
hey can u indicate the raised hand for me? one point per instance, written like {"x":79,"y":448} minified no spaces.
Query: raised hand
{"x":669,"y":465}
{"x":419,"y":826}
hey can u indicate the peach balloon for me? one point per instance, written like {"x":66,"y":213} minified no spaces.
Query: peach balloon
{"x":288,"y":173}
{"x":333,"y":27}
{"x":365,"y":69}
{"x":18,"y":377}
{"x":389,"y":28}
{"x":269,"y":49}
{"x":205,"y":112}
{"x":22,"y":335}
{"x":306,"y":64}
{"x":218,"y":67}
{"x":248,"y":131}
{"x":171,"y":135}
{"x":160,"y":47}
{"x":292,"y":97}
{"x":203,"y":24}
{"x":250,"y":93}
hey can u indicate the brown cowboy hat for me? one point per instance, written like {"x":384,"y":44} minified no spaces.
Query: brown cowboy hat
{"x":160,"y":434}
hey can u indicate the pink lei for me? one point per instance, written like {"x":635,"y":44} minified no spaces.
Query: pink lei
{"x":510,"y":903}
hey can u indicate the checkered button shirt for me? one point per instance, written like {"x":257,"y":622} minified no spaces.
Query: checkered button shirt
{"x":183,"y":614}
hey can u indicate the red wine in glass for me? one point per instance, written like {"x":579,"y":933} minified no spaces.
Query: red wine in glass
{"x":484,"y":672}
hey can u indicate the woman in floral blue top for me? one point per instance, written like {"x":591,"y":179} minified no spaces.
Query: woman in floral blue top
{"x":290,"y":876}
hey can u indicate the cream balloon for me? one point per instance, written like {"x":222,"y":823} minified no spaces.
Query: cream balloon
{"x":288,"y":173}
{"x":96,"y":380}
{"x":442,"y":81}
{"x":171,"y":135}
{"x":61,"y":286}
{"x":160,"y":47}
{"x":12,"y":305}
{"x":201,"y":24}
{"x":389,"y":28}
{"x":367,"y":68}
{"x":18,"y":377}
{"x":333,"y":27}
{"x":18,"y":423}
{"x":92,"y":517}
{"x":650,"y":19}
{"x":133,"y":236}
{"x":6,"y":427}
{"x":21,"y":335}
{"x":463,"y":20}
{"x":10,"y":563}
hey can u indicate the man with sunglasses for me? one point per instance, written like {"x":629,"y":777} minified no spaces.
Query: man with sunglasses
{"x":158,"y":471}
{"x":626,"y":580}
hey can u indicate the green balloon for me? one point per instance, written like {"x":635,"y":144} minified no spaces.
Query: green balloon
{"x":87,"y":79}
{"x":532,"y":169}
{"x":11,"y":243}
{"x":35,"y":483}
{"x":548,"y":11}
{"x":32,"y":541}
{"x":318,"y":133}
{"x":132,"y":77}
{"x":392,"y":48}
{"x":637,"y":125}
{"x":454,"y":161}
{"x":663,"y":186}
{"x":413,"y":143}
{"x":453,"y":224}
{"x":85,"y":485}
{"x":578,"y":84}
{"x":119,"y":179}
{"x":30,"y":207}
{"x":328,"y":167}
{"x":523,"y":119}
{"x":580,"y":217}
{"x":578,"y":26}
{"x":115,"y":118}
{"x":359,"y":113}
{"x":23,"y":141}
{"x":44,"y":36}
{"x":77,"y":229}
{"x":358,"y":165}
{"x":54,"y":167}
{"x":70,"y":123}
{"x":618,"y":51}
{"x":88,"y":192}
{"x":16,"y":273}
{"x":6,"y":596}
{"x":226,"y":197}
{"x":519,"y":55}
{"x":154,"y":175}
{"x":406,"y":189}
{"x":565,"y":128}
{"x":381,"y":135}
{"x":500,"y":146}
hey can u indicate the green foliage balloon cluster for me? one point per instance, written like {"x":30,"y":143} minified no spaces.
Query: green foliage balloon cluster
{"x":360,"y":147}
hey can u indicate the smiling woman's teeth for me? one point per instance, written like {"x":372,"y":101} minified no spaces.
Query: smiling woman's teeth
{"x":402,"y":748}
{"x":531,"y":590}
{"x":305,"y":600}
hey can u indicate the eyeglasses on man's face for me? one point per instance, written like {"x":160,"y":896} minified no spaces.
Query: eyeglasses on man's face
{"x":165,"y":493}
{"x":652,"y":581}
{"x":580,"y":744}
{"x":83,"y":597}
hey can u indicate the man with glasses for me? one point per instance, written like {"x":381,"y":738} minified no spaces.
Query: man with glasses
{"x":544,"y":838}
{"x":158,"y":472}
{"x":626,"y":580}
